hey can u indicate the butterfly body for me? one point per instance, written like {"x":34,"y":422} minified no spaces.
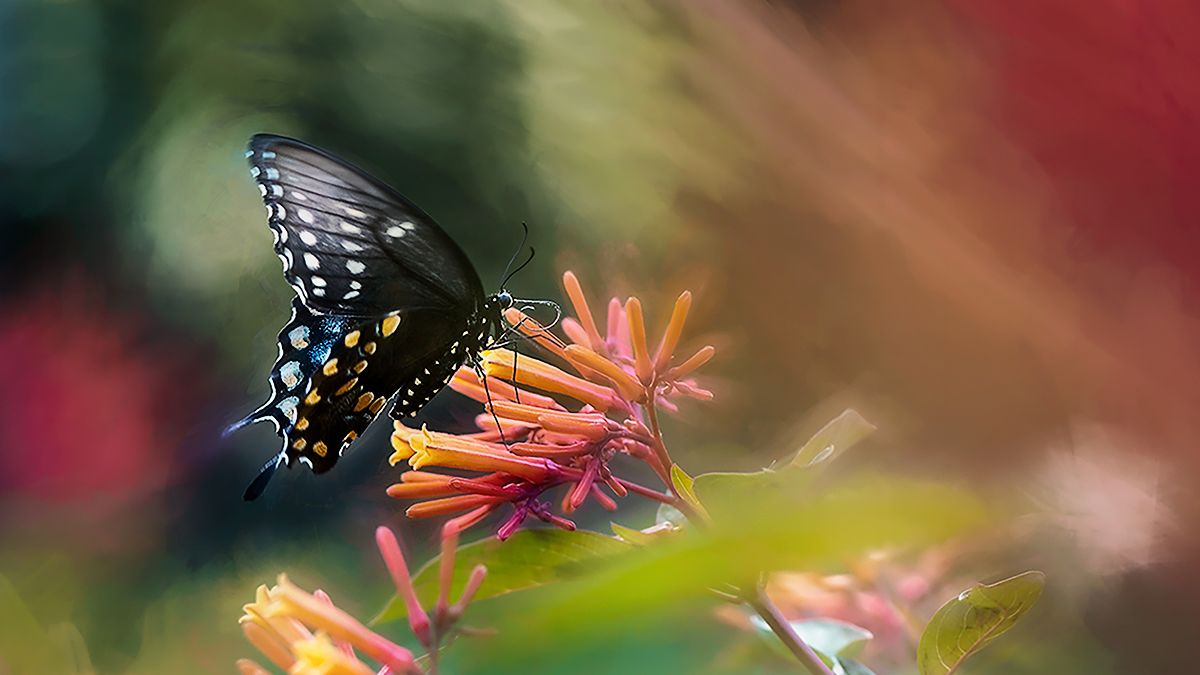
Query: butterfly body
{"x":386,"y":303}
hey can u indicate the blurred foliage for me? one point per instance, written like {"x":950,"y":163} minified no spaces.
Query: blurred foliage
{"x":141,"y":300}
{"x":525,"y":560}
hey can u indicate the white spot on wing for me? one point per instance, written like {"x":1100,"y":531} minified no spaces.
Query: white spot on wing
{"x":267,"y":154}
{"x":319,"y":292}
{"x":312,"y":262}
{"x":305,"y":215}
{"x":276,"y":190}
{"x":348,"y":227}
{"x":408,"y":226}
{"x":355,"y":266}
{"x":263,"y":189}
{"x":355,"y":285}
{"x":290,"y":374}
{"x":254,"y":171}
{"x":394,"y":231}
{"x":288,"y":407}
{"x":351,"y":295}
{"x":318,"y":281}
{"x":308,"y":238}
{"x":299,"y":336}
{"x":272,"y":174}
{"x":299,"y":196}
{"x":351,"y":246}
{"x":354,"y":212}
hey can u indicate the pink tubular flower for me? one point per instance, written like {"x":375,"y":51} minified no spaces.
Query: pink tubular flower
{"x":305,"y":634}
{"x":532,"y":442}
{"x":298,"y":632}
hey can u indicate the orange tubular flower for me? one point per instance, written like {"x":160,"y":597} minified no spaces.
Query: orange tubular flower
{"x":434,"y":449}
{"x":502,"y":363}
{"x":532,"y":442}
{"x":305,"y":634}
{"x":297,"y":631}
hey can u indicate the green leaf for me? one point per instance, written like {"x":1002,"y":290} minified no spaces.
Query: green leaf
{"x":969,"y":622}
{"x":527,"y":559}
{"x":833,"y":439}
{"x":683,"y":485}
{"x":726,"y":494}
{"x":632,"y":536}
{"x":856,"y":516}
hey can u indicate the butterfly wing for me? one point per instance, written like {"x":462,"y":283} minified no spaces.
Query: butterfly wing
{"x":335,"y":375}
{"x":350,"y":244}
{"x":385,"y":302}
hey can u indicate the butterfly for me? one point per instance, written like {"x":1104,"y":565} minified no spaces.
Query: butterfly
{"x":386,"y":306}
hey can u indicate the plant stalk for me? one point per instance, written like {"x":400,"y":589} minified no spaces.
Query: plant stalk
{"x":762,"y":604}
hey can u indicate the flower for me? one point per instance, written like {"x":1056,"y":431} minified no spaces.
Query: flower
{"x":530,"y":443}
{"x":305,"y":634}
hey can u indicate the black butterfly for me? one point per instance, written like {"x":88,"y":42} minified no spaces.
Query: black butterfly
{"x":385,"y":302}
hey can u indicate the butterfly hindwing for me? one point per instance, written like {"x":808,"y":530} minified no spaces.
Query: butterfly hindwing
{"x":304,"y":344}
{"x":413,"y":352}
{"x":349,"y":243}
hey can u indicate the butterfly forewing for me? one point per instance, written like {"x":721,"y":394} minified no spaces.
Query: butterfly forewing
{"x":349,"y":243}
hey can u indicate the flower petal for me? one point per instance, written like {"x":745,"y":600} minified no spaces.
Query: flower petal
{"x":637,"y":337}
{"x":674,"y":329}
{"x":534,"y":373}
{"x":575,"y":293}
{"x":441,"y":507}
{"x":630,"y":388}
{"x":698,"y":359}
{"x":321,"y":655}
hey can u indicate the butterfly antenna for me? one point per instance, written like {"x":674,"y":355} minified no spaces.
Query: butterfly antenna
{"x":513,"y":259}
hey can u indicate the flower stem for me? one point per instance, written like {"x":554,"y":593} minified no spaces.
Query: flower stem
{"x":664,"y":497}
{"x":664,"y":463}
{"x":761,"y":603}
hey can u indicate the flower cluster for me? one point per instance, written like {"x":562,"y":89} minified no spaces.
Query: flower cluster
{"x":563,"y":434}
{"x":305,"y":634}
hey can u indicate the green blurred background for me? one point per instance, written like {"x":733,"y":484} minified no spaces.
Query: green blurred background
{"x":972,"y":220}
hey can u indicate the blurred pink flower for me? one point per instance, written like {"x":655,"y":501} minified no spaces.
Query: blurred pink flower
{"x":84,"y":411}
